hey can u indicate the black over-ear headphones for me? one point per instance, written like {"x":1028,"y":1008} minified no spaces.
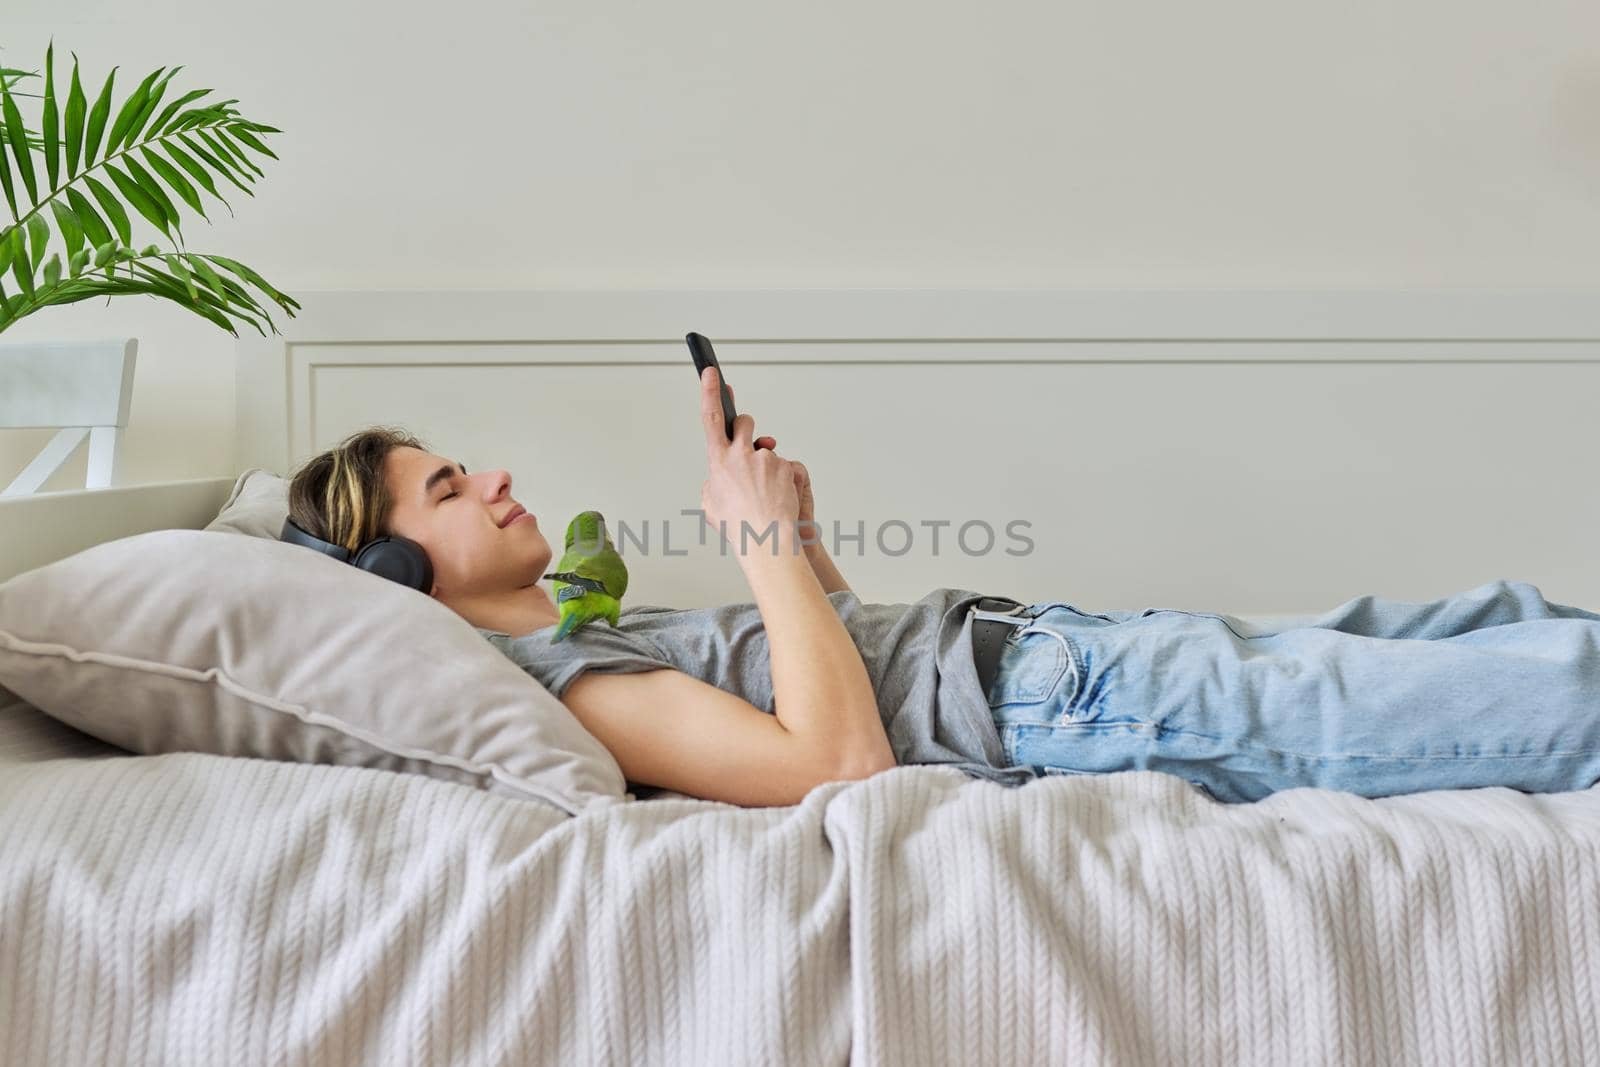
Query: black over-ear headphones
{"x":397,"y":558}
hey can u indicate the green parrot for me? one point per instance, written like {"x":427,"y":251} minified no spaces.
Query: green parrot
{"x":591,"y":577}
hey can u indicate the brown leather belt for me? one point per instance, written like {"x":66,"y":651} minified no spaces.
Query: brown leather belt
{"x":989,"y":638}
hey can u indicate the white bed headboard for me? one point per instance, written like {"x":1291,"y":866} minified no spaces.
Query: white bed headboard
{"x":1251,"y":452}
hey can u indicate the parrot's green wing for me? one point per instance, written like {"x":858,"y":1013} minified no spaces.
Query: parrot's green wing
{"x":591,"y":578}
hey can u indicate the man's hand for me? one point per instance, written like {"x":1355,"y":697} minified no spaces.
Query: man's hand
{"x":802,"y":485}
{"x":821,"y":563}
{"x":746,"y":485}
{"x":760,"y":442}
{"x":802,"y":477}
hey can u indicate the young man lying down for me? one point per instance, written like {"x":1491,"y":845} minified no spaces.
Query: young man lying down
{"x":756,"y":703}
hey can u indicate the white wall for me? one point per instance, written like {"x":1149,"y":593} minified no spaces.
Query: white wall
{"x":592,"y":144}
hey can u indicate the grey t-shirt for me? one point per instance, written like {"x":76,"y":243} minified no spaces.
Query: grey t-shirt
{"x":918,"y":656}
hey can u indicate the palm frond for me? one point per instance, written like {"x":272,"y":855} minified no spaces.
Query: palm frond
{"x":69,"y":186}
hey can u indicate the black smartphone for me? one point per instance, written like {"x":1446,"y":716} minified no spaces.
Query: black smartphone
{"x":700,"y":351}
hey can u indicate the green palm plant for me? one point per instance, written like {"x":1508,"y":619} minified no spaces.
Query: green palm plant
{"x":207,"y":143}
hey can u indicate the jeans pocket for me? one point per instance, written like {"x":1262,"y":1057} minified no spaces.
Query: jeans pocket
{"x":1031,"y":667}
{"x":1038,"y":679}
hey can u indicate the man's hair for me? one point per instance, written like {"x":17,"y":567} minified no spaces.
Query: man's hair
{"x":340,"y":495}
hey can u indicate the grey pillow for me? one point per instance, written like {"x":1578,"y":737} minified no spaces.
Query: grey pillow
{"x":203,"y":641}
{"x":256,"y":507}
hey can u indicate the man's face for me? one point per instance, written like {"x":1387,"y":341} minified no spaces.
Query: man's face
{"x":456,"y":518}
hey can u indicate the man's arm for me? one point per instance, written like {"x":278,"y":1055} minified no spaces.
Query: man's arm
{"x":821,"y":690}
{"x":810,"y":533}
{"x":668,"y":729}
{"x":822,"y":564}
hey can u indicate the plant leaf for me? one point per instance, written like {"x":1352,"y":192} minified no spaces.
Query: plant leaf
{"x":94,"y":228}
{"x":282,"y":299}
{"x":196,"y":171}
{"x":141,"y":201}
{"x":242,"y":132}
{"x":225,"y":153}
{"x":241,"y":297}
{"x":230,"y":289}
{"x":149,"y":108}
{"x":76,"y":261}
{"x":174,"y":179}
{"x":209,"y":276}
{"x":104,"y":253}
{"x":19,"y":144}
{"x":252,"y":277}
{"x":113,"y":208}
{"x":71,"y":228}
{"x":130,"y":109}
{"x":232,"y":149}
{"x":52,"y":270}
{"x":6,"y":247}
{"x":196,"y":116}
{"x":97,"y":119}
{"x":198,"y":295}
{"x":19,"y":262}
{"x":152,"y":188}
{"x":39,"y":234}
{"x":75,"y":109}
{"x":5,"y":180}
{"x":221,"y":167}
{"x":199,"y":303}
{"x":52,"y":137}
{"x":183,"y":275}
{"x":87,"y":288}
{"x":160,"y":127}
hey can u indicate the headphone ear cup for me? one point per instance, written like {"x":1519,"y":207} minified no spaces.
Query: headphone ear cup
{"x":399,"y":559}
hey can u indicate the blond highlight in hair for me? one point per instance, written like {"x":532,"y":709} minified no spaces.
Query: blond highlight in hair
{"x":341,"y":495}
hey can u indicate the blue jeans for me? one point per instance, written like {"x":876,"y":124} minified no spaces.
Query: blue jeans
{"x":1494,"y":686}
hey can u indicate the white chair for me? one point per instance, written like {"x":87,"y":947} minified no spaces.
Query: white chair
{"x":82,"y":387}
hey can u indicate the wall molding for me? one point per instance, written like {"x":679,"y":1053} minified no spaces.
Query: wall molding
{"x":276,"y":375}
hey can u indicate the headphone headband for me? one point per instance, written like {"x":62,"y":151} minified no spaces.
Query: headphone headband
{"x":397,"y":558}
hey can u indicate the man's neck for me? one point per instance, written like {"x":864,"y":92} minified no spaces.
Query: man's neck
{"x":515,"y":612}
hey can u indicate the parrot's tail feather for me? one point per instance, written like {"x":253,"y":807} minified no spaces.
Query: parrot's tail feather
{"x":569,"y":622}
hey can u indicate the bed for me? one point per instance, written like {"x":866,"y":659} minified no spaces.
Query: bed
{"x":193,"y":908}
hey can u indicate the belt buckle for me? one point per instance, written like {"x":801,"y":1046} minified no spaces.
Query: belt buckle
{"x":994,"y":609}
